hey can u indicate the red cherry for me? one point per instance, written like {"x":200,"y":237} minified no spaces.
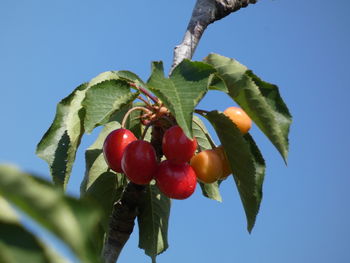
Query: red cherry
{"x":139,"y":162}
{"x":114,"y":146}
{"x":176,"y":181}
{"x":177,"y":147}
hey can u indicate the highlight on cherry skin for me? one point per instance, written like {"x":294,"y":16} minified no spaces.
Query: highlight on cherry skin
{"x":177,"y":147}
{"x":114,"y":146}
{"x":176,"y":180}
{"x":139,"y":162}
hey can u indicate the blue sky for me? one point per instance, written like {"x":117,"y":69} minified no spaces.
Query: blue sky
{"x":47,"y":48}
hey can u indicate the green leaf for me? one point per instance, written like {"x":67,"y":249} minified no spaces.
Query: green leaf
{"x":217,"y":83}
{"x":259,"y":99}
{"x":126,"y":77}
{"x":130,"y":77}
{"x":103,"y":99}
{"x":260,"y":165}
{"x":246,"y":162}
{"x":205,"y":142}
{"x":182,"y":91}
{"x":105,"y":190}
{"x":202,"y":135}
{"x":101,"y":184}
{"x":59,"y":144}
{"x":118,"y":75}
{"x":94,"y":159}
{"x":153,"y":222}
{"x":73,"y":221}
{"x":19,"y":245}
{"x":211,"y":191}
{"x":132,"y":123}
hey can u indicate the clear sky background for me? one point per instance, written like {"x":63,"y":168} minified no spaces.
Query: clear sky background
{"x":47,"y":48}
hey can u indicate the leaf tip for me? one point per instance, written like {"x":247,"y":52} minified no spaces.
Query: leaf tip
{"x":250,"y":227}
{"x":284,"y":154}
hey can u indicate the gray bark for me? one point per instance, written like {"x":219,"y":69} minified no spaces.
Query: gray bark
{"x":204,"y":13}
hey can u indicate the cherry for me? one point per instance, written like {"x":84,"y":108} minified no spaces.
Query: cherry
{"x":139,"y":162}
{"x":239,"y":117}
{"x":211,"y":165}
{"x":114,"y":146}
{"x":177,"y":181}
{"x":177,"y":147}
{"x":208,"y":166}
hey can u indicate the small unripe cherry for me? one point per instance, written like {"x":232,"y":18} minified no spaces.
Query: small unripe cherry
{"x":177,"y":147}
{"x":207,"y":166}
{"x":177,"y":181}
{"x":239,"y":117}
{"x":139,"y":162}
{"x":114,"y":146}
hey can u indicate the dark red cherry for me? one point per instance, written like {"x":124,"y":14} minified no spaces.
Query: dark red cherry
{"x":139,"y":162}
{"x":114,"y":146}
{"x":176,"y":181}
{"x":177,"y":147}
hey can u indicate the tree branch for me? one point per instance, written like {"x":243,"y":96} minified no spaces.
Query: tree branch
{"x":204,"y":13}
{"x":121,"y":222}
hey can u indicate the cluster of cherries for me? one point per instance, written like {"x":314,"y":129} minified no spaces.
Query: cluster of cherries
{"x":176,"y":177}
{"x":137,"y":159}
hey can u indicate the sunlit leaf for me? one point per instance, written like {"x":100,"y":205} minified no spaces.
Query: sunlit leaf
{"x":103,"y":99}
{"x":259,"y":99}
{"x":125,"y":75}
{"x":59,"y":144}
{"x":202,"y":135}
{"x":130,"y":77}
{"x":182,"y":91}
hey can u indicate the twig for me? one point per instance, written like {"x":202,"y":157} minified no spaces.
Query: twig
{"x":204,"y":13}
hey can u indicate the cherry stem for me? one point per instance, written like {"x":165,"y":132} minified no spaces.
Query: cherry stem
{"x":148,"y":104}
{"x":146,"y":92}
{"x":130,"y":111}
